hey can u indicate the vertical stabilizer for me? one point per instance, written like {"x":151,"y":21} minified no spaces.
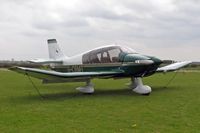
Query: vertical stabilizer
{"x":54,"y":50}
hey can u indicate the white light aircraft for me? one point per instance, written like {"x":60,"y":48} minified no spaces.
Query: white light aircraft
{"x":113,"y":61}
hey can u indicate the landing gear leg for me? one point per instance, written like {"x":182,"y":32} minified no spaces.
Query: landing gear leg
{"x":138,"y":87}
{"x":88,"y":89}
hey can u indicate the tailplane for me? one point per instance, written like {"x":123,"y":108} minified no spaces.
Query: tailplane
{"x":54,"y":50}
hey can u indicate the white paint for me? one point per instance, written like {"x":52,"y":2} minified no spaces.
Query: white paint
{"x":74,"y":60}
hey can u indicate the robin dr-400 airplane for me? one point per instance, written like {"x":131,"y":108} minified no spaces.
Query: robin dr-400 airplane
{"x":113,"y":61}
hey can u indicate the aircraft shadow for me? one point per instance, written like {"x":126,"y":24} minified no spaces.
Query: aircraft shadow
{"x":76,"y":94}
{"x":98,"y":93}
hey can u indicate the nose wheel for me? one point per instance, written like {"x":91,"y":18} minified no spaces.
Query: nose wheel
{"x":138,"y":87}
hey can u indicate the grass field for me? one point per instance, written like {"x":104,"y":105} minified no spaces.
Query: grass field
{"x":112,"y":109}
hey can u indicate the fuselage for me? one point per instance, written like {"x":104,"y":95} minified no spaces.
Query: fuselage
{"x":111,"y":58}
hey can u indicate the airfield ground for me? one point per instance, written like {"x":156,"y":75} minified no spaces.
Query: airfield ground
{"x":112,"y":109}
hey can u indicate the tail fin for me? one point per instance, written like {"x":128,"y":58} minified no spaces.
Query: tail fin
{"x":54,"y":50}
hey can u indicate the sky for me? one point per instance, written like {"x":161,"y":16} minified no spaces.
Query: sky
{"x":168,"y":29}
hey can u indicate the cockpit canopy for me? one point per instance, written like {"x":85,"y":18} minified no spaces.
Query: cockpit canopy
{"x":110,"y":54}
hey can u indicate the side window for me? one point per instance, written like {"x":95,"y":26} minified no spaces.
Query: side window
{"x":91,"y":57}
{"x":94,"y":58}
{"x":114,"y":55}
{"x":105,"y":55}
{"x":105,"y":58}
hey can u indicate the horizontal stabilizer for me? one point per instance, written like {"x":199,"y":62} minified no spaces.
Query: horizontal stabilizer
{"x":45,"y":61}
{"x":174,"y":66}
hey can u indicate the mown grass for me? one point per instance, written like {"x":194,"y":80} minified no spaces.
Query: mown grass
{"x":113,"y":108}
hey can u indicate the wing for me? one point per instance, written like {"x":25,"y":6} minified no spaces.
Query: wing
{"x":53,"y":75}
{"x":174,"y":66}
